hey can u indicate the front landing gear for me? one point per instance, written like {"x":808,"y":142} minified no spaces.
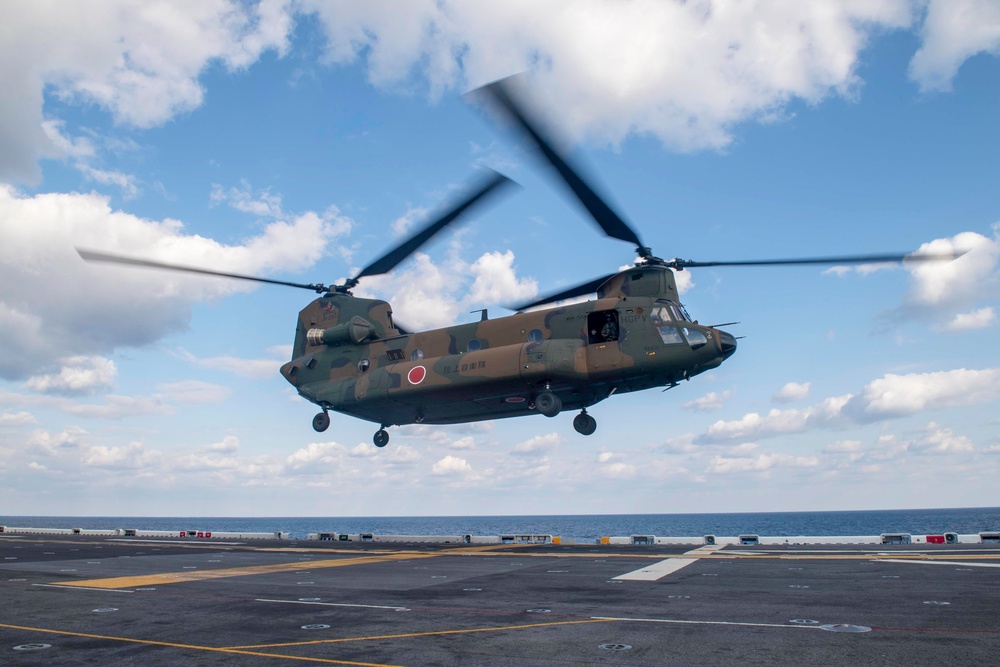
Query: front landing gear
{"x":321,"y":422}
{"x":584,"y":423}
{"x":381,"y":438}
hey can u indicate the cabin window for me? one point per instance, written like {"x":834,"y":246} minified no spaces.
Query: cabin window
{"x":535,"y":335}
{"x":474,"y":345}
{"x":602,"y":326}
{"x":695,"y":338}
{"x":416,"y":355}
{"x":363,"y":365}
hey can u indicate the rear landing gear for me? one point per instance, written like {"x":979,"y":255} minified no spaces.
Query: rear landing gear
{"x":381,"y":438}
{"x":321,"y":422}
{"x":584,"y":423}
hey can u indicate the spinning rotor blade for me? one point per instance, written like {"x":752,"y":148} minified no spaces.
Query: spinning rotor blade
{"x":579,"y":290}
{"x":613,"y":225}
{"x":91,"y":256}
{"x":394,"y":257}
{"x":851,"y":259}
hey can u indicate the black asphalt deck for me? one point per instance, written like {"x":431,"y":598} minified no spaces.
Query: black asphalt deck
{"x":85,"y":600}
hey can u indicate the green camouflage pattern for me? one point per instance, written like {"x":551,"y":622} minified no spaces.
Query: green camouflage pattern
{"x":349,"y":357}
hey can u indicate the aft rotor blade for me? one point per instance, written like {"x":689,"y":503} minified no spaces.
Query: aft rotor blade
{"x":585,"y":288}
{"x":394,"y":257}
{"x":612,"y":223}
{"x":851,"y":259}
{"x":91,"y":256}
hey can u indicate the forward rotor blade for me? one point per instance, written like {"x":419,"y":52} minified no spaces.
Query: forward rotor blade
{"x":391,"y":259}
{"x":91,"y":256}
{"x":613,"y":225}
{"x":579,"y":290}
{"x":851,"y":259}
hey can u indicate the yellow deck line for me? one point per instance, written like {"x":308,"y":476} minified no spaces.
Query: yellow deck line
{"x":430,"y":633}
{"x":192,"y":647}
{"x":220,"y":573}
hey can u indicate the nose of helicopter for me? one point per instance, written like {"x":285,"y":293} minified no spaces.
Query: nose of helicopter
{"x":727,"y":343}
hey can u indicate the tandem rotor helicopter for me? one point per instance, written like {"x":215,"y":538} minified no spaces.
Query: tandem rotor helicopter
{"x":350,"y":357}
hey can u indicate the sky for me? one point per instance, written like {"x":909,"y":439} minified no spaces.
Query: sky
{"x":299,"y":139}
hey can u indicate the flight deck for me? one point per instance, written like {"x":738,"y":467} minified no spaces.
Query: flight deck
{"x":88,"y":599}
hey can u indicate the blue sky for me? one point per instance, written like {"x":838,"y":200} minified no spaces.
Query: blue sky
{"x":298,"y":140}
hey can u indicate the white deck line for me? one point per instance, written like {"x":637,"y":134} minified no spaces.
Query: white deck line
{"x":937,"y":562}
{"x":656,"y":570}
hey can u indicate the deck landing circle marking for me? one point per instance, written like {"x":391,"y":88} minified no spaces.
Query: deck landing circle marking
{"x":305,"y":583}
{"x":539,"y":610}
{"x":310,"y":599}
{"x":105,"y":610}
{"x":804,"y":621}
{"x":416,"y":375}
{"x":844,"y":627}
{"x":472,"y":589}
{"x":935,"y":602}
{"x":615,"y":647}
{"x":315,"y":626}
{"x":32,"y":647}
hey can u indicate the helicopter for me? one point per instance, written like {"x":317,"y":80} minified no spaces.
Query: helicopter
{"x":349,"y":355}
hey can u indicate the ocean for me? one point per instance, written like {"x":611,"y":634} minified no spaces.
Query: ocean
{"x":581,"y":528}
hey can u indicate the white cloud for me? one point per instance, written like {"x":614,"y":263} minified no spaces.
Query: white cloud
{"x":194,"y":392}
{"x":977,"y":319}
{"x":451,"y":466}
{"x":723,"y":465}
{"x":132,"y":455}
{"x":540,"y":445}
{"x":140,"y":61}
{"x":710,"y":401}
{"x":898,"y":395}
{"x":791,"y":392}
{"x":263,"y":204}
{"x":971,"y":277}
{"x":248,"y":368}
{"x":935,"y":439}
{"x":613,"y":68}
{"x":953,"y":31}
{"x":78,"y":376}
{"x":496,"y":281}
{"x":890,"y":396}
{"x":17,"y":419}
{"x":119,"y":306}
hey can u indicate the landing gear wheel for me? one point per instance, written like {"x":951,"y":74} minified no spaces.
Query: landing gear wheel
{"x":548,"y":403}
{"x":584,"y":424}
{"x":321,"y":422}
{"x":381,"y":438}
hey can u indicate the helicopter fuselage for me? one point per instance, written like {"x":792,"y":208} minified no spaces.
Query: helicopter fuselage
{"x":350,"y":358}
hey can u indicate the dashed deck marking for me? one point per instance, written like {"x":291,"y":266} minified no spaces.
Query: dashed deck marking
{"x":430,"y":633}
{"x":203,"y":575}
{"x":657,"y":571}
{"x":193,"y":647}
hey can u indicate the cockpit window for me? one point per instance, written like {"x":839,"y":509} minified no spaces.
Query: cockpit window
{"x":695,"y":337}
{"x":669,"y":334}
{"x":676,"y":310}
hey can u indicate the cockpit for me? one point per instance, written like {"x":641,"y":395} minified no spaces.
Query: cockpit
{"x":670,"y":318}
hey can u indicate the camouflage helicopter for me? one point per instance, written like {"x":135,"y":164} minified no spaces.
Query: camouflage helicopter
{"x":349,"y":355}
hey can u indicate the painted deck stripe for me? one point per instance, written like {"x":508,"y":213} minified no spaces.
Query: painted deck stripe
{"x":336,"y":604}
{"x":657,"y":570}
{"x":689,"y":622}
{"x":221,"y":573}
{"x":939,"y":562}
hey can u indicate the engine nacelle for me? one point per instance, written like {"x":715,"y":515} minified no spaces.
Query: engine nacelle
{"x":356,"y":330}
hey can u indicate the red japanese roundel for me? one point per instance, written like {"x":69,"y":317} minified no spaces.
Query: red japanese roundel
{"x":416,"y":374}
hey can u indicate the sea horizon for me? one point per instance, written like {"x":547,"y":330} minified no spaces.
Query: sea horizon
{"x":963,"y":520}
